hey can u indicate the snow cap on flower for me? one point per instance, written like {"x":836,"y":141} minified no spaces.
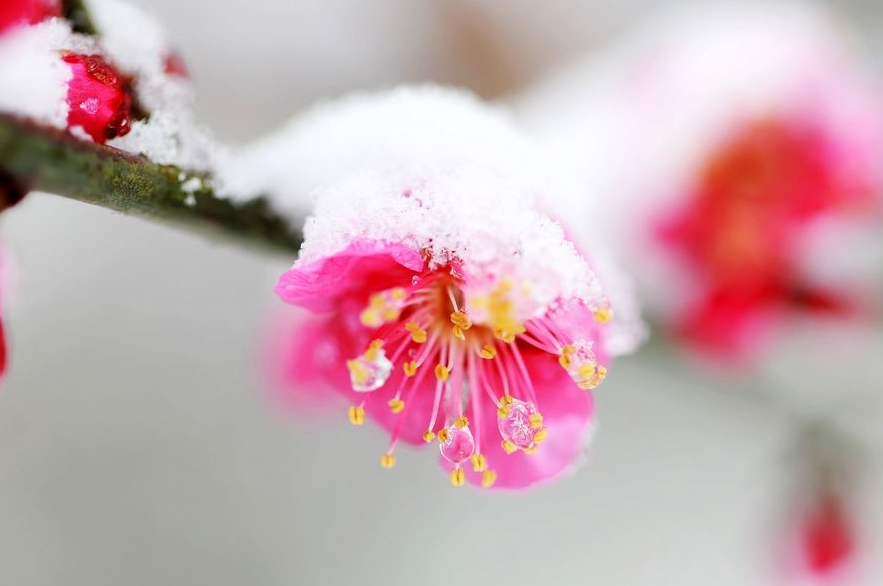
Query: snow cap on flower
{"x":449,"y":308}
{"x":734,"y":145}
{"x":62,"y":79}
{"x":145,"y":53}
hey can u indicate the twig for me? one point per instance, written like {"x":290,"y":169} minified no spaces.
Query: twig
{"x":38,"y":158}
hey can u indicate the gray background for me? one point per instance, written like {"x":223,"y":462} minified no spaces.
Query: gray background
{"x":137,"y":447}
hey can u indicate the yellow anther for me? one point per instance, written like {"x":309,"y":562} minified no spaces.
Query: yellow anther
{"x":587,"y":370}
{"x":373,"y":350}
{"x":390,"y":313}
{"x":479,"y":462}
{"x":358,"y":372}
{"x":458,"y":333}
{"x":459,"y":318}
{"x":356,"y":415}
{"x":428,"y":436}
{"x":592,"y":377}
{"x":540,"y":436}
{"x":398,"y":293}
{"x":388,"y":460}
{"x":412,"y":326}
{"x":503,"y":412}
{"x":461,"y":422}
{"x":488,"y":352}
{"x":458,"y":477}
{"x":418,"y":336}
{"x":376,"y":301}
{"x":410,"y":368}
{"x":442,"y":372}
{"x":506,"y":399}
{"x":531,"y":450}
{"x":509,"y":447}
{"x":505,"y":336}
{"x":488,"y":478}
{"x":370,"y":318}
{"x":536,"y":421}
{"x":396,"y":405}
{"x":564,"y":361}
{"x":603,"y":315}
{"x":442,"y":435}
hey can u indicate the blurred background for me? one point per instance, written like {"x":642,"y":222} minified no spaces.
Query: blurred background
{"x":138,"y":447}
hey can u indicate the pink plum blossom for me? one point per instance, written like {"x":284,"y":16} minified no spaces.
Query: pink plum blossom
{"x":445,"y":307}
{"x":742,"y":144}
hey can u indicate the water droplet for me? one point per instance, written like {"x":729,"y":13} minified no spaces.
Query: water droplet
{"x":516,"y":426}
{"x":458,"y":446}
{"x":584,"y":368}
{"x":368,"y":375}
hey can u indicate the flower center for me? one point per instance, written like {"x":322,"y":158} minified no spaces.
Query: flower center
{"x":474,"y":355}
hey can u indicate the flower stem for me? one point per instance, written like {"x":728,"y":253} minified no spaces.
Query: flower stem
{"x":37,"y":158}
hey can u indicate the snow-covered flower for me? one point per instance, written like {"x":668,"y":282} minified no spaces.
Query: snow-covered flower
{"x":446,"y":307}
{"x":125,"y":85}
{"x":64,"y":80}
{"x":97,"y":98}
{"x":743,"y":146}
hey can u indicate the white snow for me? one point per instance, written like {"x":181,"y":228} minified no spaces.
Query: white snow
{"x":33,"y":78}
{"x":138,"y":45}
{"x":441,"y":172}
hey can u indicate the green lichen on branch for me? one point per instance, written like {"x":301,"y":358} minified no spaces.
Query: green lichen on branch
{"x":38,"y":158}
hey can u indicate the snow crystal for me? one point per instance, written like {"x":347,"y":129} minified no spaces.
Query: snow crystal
{"x":439,"y":171}
{"x":138,"y":45}
{"x":33,"y":78}
{"x":338,"y":136}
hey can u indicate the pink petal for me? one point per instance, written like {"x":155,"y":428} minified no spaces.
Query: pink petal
{"x":362,"y":268}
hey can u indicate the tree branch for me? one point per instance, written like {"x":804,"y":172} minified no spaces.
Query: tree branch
{"x":38,"y":158}
{"x":75,"y":11}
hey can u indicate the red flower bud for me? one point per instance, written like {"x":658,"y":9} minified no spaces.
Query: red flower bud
{"x":23,"y":12}
{"x":97,"y":98}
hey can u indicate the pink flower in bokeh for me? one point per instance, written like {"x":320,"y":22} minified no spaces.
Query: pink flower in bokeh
{"x":25,"y":12}
{"x":742,"y":144}
{"x":447,"y":308}
{"x":740,"y":231}
{"x":827,"y":536}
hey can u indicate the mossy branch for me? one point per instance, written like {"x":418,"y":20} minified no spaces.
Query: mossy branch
{"x":78,"y":15}
{"x":38,"y":158}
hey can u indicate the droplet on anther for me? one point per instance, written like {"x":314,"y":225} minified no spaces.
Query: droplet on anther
{"x":458,"y":444}
{"x":515,"y":425}
{"x":580,"y":362}
{"x":369,"y":371}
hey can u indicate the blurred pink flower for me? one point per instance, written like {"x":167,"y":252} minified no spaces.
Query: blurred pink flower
{"x":739,"y":232}
{"x":733,"y":153}
{"x":443,"y":311}
{"x":827,"y":536}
